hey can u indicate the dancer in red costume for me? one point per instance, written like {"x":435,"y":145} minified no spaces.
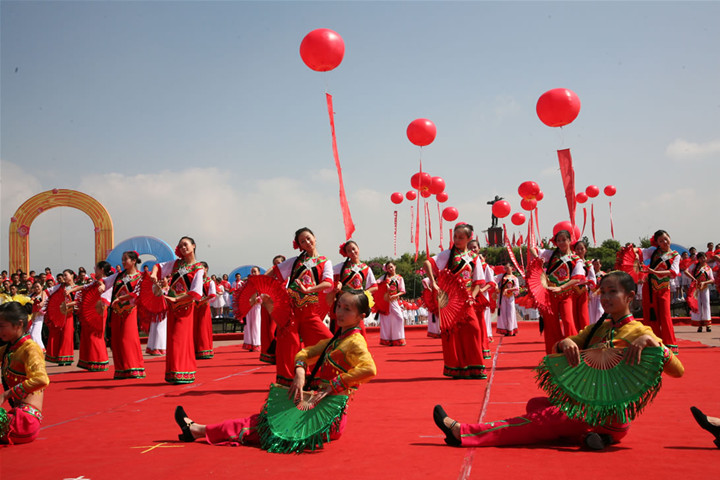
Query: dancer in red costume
{"x":23,"y":377}
{"x":462,"y":345}
{"x":351,"y":276}
{"x":344,"y":364}
{"x":564,"y":270}
{"x":120,"y":295}
{"x":656,"y":296}
{"x":581,"y":296}
{"x":486,"y":290}
{"x":92,"y":354}
{"x":202,"y":327}
{"x":306,"y":276}
{"x":268,"y":328}
{"x":543,"y":421}
{"x":60,"y":348}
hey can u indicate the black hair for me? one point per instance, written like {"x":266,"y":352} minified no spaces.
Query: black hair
{"x":574,"y":245}
{"x":204,"y":264}
{"x":72,"y":274}
{"x":701,"y":256}
{"x":659,"y":234}
{"x":278,"y":256}
{"x":133,"y":255}
{"x":469,"y":228}
{"x":105,"y":267}
{"x":15,"y":313}
{"x":474,"y":240}
{"x":361,"y":300}
{"x":566,"y":232}
{"x":300,"y":231}
{"x":345,"y":245}
{"x":624,"y":279}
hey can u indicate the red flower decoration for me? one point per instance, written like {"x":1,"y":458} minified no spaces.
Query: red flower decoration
{"x":342,"y":249}
{"x":177,"y":252}
{"x":295,"y":245}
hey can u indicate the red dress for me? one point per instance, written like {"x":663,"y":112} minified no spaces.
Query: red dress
{"x":60,"y":348}
{"x":124,"y":334}
{"x":353,"y":277}
{"x":656,"y":298}
{"x":308,"y":313}
{"x":462,"y":346}
{"x":93,"y":355}
{"x":187,"y":279}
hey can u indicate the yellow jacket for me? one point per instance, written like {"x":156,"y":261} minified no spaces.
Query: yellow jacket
{"x":23,"y":368}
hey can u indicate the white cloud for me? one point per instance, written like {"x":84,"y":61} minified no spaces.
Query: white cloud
{"x":506,"y":106}
{"x":682,"y":149}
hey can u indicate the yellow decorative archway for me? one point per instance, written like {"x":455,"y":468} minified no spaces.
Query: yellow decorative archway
{"x":24,"y":216}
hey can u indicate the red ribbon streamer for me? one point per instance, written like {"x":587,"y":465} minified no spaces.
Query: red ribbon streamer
{"x":584,"y":220}
{"x":508,"y":247}
{"x":537,"y":224}
{"x":568,"y":178}
{"x":395,"y":236}
{"x":347,"y":218}
{"x":612,"y":229}
{"x":592,"y":222}
{"x":417,"y":219}
{"x":427,"y":223}
{"x":440,"y":227}
{"x":412,"y":222}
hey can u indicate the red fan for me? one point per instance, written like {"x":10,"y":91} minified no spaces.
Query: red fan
{"x":628,"y":261}
{"x":57,"y":309}
{"x":526,"y":301}
{"x":150,"y":297}
{"x":382,"y":305}
{"x":90,"y":309}
{"x":279,"y":306}
{"x":537,"y":284}
{"x":692,"y":300}
{"x":430,"y":300}
{"x":453,"y":300}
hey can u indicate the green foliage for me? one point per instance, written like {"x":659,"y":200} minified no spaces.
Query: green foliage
{"x":645,"y":242}
{"x":606,"y":253}
{"x":407,"y":267}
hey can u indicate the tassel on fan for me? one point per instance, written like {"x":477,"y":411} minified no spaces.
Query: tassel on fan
{"x":382,"y":305}
{"x":692,"y":299}
{"x":603,"y":387}
{"x":430,"y":300}
{"x":628,"y":261}
{"x":279,"y":307}
{"x":285,"y":427}
{"x":537,"y":284}
{"x":91,"y":310}
{"x":453,"y":300}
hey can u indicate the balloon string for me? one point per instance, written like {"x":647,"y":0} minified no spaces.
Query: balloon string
{"x":612,"y":229}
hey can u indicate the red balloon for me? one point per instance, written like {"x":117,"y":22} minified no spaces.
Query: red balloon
{"x":610,"y":190}
{"x":558,"y":107}
{"x":322,"y":50}
{"x":421,"y":132}
{"x":566,"y":225}
{"x":539,"y":196}
{"x":450,"y":214}
{"x":518,"y":218}
{"x":421,"y":180}
{"x":441,"y":197}
{"x":581,"y":197}
{"x":529,"y":189}
{"x":425,"y":192}
{"x":411,"y":195}
{"x":437,"y":185}
{"x":527,"y":204}
{"x":592,"y":191}
{"x":501,"y":209}
{"x":396,"y":198}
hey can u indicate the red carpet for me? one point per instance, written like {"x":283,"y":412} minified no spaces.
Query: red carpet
{"x":100,"y":428}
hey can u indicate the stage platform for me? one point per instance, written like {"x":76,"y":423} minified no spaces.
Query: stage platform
{"x":99,"y":428}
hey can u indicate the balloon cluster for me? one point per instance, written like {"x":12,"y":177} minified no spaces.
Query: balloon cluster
{"x":427,"y":186}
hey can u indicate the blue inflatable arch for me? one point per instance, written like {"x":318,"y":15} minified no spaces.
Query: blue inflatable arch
{"x":244,"y":271}
{"x":152,"y":250}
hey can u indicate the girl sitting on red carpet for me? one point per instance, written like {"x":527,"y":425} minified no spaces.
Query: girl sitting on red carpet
{"x":23,"y":377}
{"x":544,"y":421}
{"x":344,"y":362}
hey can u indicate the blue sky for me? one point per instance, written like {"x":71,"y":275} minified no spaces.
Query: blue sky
{"x":199,"y":118}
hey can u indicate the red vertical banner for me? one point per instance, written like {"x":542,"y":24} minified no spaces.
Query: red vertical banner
{"x":584,"y":220}
{"x":395,"y":236}
{"x":592,"y":222}
{"x":344,"y":207}
{"x":427,"y":215}
{"x":417,"y":219}
{"x":568,"y":179}
{"x":440,"y":227}
{"x":412,"y":223}
{"x":537,"y":225}
{"x":427,"y":228}
{"x":612,"y":229}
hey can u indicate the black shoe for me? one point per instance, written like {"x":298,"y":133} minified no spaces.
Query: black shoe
{"x":597,"y":441}
{"x":708,"y":329}
{"x":180,"y":415}
{"x":699,"y":329}
{"x":439,"y":416}
{"x":702,"y":420}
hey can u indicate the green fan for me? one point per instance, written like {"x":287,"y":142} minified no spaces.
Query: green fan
{"x":286,"y":427}
{"x":602,"y":388}
{"x":4,"y":422}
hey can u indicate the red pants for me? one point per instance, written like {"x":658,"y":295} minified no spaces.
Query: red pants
{"x":24,"y":425}
{"x":661,"y":321}
{"x":461,"y":346}
{"x":203,"y":332}
{"x":244,"y":431}
{"x":561,"y":307}
{"x":307,"y":327}
{"x":125,"y":344}
{"x":180,"y":363}
{"x":543,"y":422}
{"x":581,"y":311}
{"x":267,"y":337}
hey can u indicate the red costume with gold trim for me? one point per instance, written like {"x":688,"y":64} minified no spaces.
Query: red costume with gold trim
{"x":656,"y":297}
{"x":124,"y":336}
{"x":203,"y":329}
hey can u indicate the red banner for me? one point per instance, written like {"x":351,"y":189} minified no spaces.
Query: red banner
{"x":440,"y":227}
{"x":612,"y":229}
{"x":584,"y":220}
{"x":568,"y":178}
{"x":395,"y":236}
{"x":347,"y":218}
{"x":592,"y":222}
